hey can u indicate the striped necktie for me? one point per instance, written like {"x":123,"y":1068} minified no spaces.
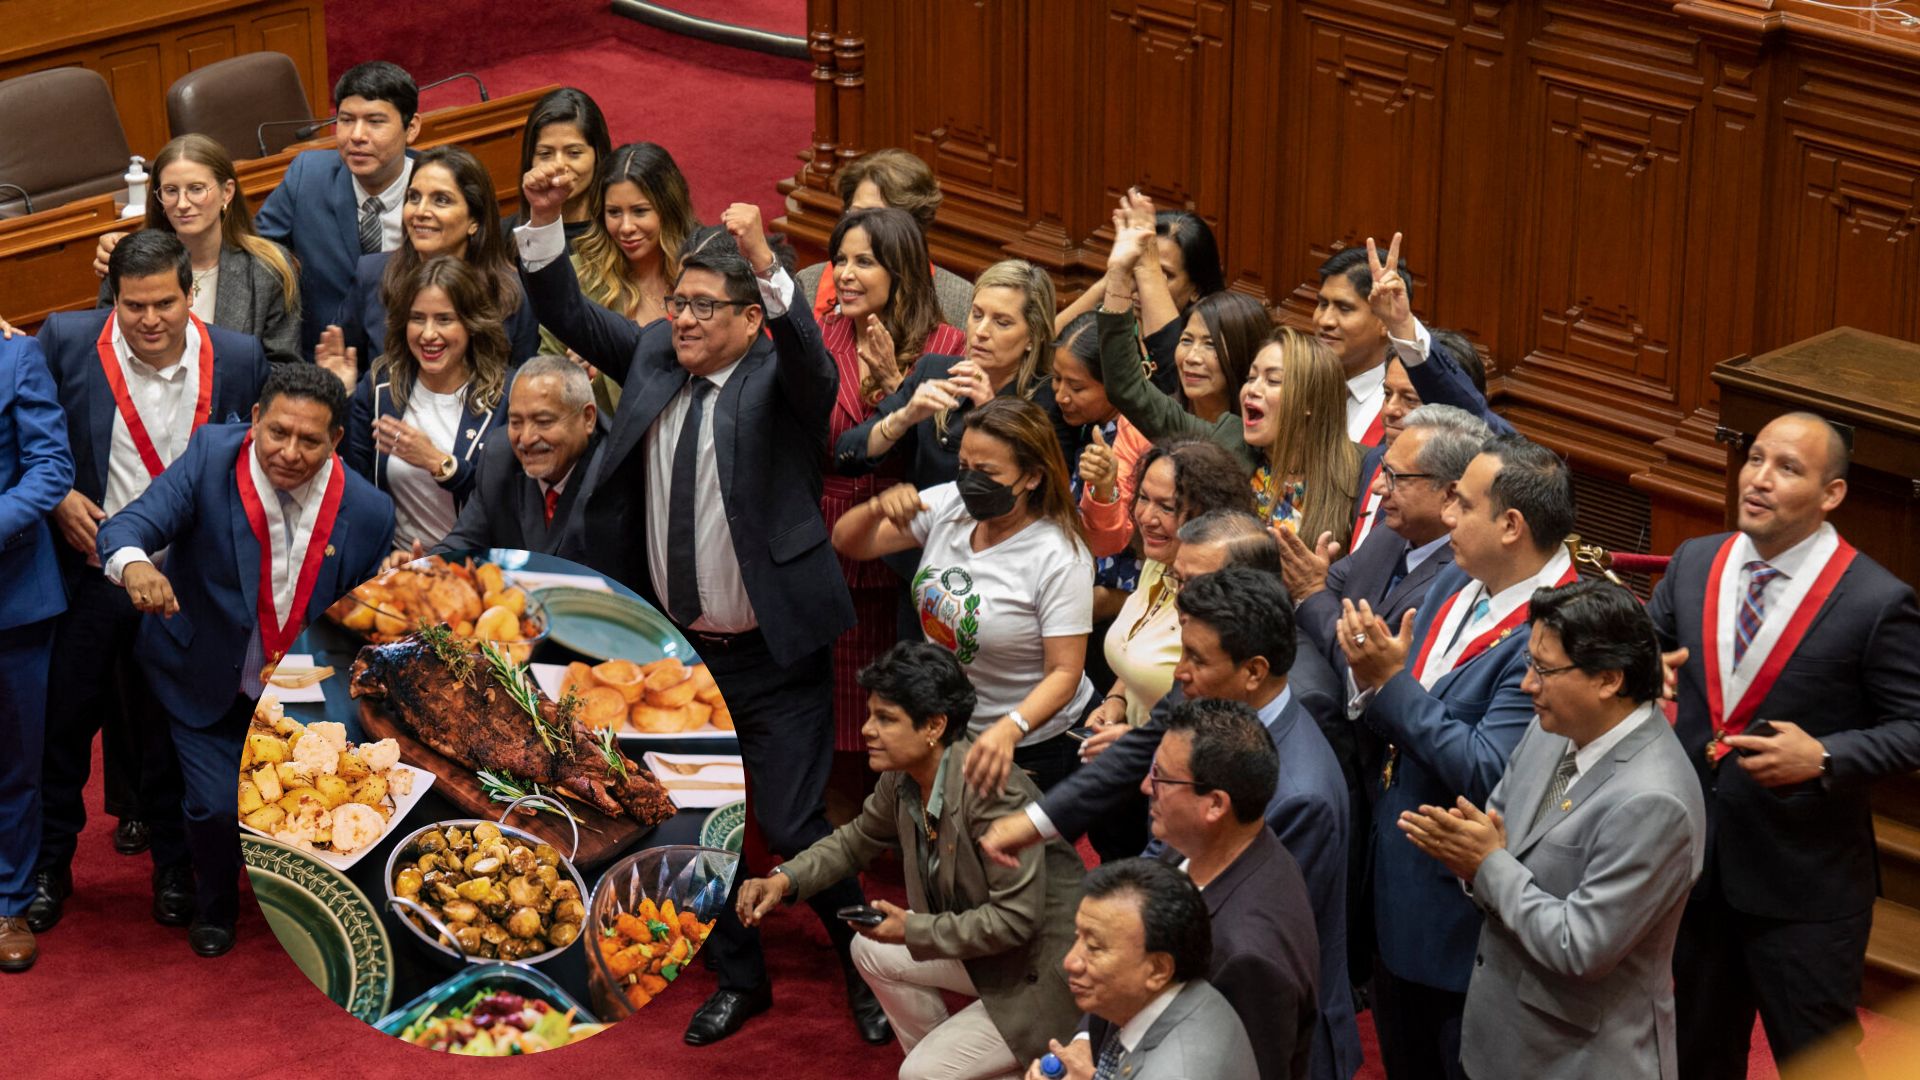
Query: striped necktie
{"x":1562,"y":780}
{"x":370,"y":226}
{"x":1753,"y":609}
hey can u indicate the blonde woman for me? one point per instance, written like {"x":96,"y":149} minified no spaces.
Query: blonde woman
{"x":1009,"y":343}
{"x":241,"y":280}
{"x":1293,"y":408}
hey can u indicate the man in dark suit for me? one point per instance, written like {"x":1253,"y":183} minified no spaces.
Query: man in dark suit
{"x":243,"y":499}
{"x":135,"y":382}
{"x":1796,"y":688}
{"x":36,"y":470}
{"x":334,"y":206}
{"x":1215,"y":771}
{"x":1443,"y":690}
{"x":530,"y":482}
{"x":706,"y":500}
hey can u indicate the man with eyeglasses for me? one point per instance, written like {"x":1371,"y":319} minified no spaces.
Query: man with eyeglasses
{"x":706,"y":500}
{"x":1583,"y":857}
{"x":529,"y":483}
{"x":1213,"y":777}
{"x":1442,"y":689}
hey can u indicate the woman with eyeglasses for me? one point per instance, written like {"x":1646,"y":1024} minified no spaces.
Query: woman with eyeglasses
{"x":450,"y":211}
{"x":423,"y":411}
{"x":1004,"y":581}
{"x":242,"y":281}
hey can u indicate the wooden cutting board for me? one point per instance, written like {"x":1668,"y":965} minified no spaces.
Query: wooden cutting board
{"x":602,"y":838}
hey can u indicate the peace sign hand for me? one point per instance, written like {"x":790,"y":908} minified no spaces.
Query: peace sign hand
{"x":1389,"y":295}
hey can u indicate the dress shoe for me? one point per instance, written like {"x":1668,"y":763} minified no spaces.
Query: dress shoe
{"x":17,"y":949}
{"x":132,"y":837}
{"x":173,"y":895}
{"x":868,"y":1016}
{"x":210,"y":939}
{"x":725,"y":1012}
{"x":51,"y":887}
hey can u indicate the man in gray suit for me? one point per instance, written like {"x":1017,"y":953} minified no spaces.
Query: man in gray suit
{"x":1583,"y":892}
{"x":1142,"y":942}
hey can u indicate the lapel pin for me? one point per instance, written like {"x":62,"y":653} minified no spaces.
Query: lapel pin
{"x":471,"y":433}
{"x":330,"y":551}
{"x":1567,"y":805}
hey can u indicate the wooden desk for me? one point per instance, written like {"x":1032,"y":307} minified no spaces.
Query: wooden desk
{"x":141,"y":46}
{"x":46,"y":259}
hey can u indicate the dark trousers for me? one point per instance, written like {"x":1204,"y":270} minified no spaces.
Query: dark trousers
{"x":1419,"y":1027}
{"x":1048,"y":762}
{"x":24,"y":654}
{"x":210,"y":765}
{"x":94,"y":685}
{"x":1803,"y":978}
{"x":784,"y":719}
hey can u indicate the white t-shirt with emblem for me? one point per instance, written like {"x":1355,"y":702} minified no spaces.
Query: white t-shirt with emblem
{"x":994,"y":607}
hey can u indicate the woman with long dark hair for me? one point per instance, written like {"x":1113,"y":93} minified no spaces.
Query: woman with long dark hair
{"x":567,"y":126}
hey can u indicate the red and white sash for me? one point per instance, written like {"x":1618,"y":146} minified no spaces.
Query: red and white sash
{"x":1369,"y":504}
{"x":1508,"y":613}
{"x":130,"y":415}
{"x":1734,"y":693}
{"x":1377,"y":427}
{"x":281,"y":616}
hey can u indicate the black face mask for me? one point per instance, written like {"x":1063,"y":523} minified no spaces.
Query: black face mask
{"x":985,"y":498}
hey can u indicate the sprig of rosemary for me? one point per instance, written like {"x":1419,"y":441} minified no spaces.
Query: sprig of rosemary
{"x":610,"y":752}
{"x":520,"y":687}
{"x":502,"y":786}
{"x":451,"y":650}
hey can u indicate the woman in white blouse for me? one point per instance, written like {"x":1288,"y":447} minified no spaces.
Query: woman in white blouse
{"x":422,"y":414}
{"x":1005,"y":581}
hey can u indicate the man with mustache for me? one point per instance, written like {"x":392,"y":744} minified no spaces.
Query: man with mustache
{"x":530,"y":482}
{"x":1796,"y":687}
{"x":264,"y":528}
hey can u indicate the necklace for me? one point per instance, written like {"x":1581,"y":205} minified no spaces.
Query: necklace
{"x":199,"y":277}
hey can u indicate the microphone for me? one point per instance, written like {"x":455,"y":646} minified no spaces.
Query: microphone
{"x":24,"y":197}
{"x":462,"y":75}
{"x":303,"y":134}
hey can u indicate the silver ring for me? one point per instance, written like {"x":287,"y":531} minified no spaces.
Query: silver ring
{"x":1359,"y":639}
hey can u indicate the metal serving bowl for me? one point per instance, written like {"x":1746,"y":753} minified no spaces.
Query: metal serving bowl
{"x":441,"y":941}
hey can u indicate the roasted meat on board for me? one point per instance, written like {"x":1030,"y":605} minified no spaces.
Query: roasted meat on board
{"x":476,"y":722}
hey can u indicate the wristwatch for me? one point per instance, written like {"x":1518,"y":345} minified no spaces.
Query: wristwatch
{"x":1021,"y":723}
{"x":1826,"y":763}
{"x":447,"y":468}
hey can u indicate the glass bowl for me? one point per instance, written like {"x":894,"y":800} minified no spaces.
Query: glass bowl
{"x":696,"y":881}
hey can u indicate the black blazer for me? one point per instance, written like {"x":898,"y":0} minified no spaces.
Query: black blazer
{"x":1364,"y":575}
{"x":505,"y":509}
{"x":1265,"y":955}
{"x":1803,"y":852}
{"x":68,"y":338}
{"x":770,"y":432}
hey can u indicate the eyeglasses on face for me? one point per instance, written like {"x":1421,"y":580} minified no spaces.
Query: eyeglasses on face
{"x":195,"y":192}
{"x":1543,"y":672}
{"x":703,"y":306}
{"x":1158,"y":779}
{"x":1394,"y":476}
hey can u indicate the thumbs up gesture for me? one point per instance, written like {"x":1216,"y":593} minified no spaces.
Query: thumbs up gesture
{"x":1099,"y":468}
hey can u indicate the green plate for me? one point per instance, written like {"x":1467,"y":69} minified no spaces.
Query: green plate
{"x":325,"y":923}
{"x":725,"y":827}
{"x":608,"y":626}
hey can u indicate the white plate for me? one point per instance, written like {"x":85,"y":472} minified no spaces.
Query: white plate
{"x":287,"y":695}
{"x":422,"y":780}
{"x":548,"y":676}
{"x":715,"y":769}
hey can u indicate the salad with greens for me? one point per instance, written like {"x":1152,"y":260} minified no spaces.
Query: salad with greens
{"x":494,"y":1023}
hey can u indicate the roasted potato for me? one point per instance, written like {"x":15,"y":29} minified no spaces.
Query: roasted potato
{"x":672,"y":697}
{"x":657,"y":721}
{"x":579,"y":679}
{"x":622,"y":675}
{"x":266,"y":819}
{"x":489,"y":577}
{"x":267,"y":748}
{"x":371,"y":791}
{"x":351,"y":768}
{"x":267,"y":781}
{"x":497,"y":624}
{"x":603,"y":708}
{"x":250,"y":799}
{"x":333,"y":790}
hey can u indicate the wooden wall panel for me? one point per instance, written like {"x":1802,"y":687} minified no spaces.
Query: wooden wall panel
{"x":141,"y":46}
{"x":1609,"y":197}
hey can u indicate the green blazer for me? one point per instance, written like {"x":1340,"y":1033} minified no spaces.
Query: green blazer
{"x":1011,"y":927}
{"x":1158,"y":416}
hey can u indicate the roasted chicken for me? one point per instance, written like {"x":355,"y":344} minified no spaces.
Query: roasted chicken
{"x":474,"y":720}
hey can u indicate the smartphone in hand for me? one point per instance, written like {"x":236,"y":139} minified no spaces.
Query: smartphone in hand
{"x":1760,"y":728}
{"x":861,"y":915}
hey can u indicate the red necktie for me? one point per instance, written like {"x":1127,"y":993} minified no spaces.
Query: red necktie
{"x":553,"y":500}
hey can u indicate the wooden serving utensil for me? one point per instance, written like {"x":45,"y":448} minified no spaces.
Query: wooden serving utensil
{"x":300,"y":678}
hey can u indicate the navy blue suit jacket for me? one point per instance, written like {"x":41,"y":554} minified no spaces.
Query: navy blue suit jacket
{"x":192,"y":659}
{"x":70,"y":341}
{"x":1806,"y":851}
{"x":507,"y":510}
{"x":373,"y":399}
{"x":1308,"y":812}
{"x":362,"y":317}
{"x":314,"y":214}
{"x":770,"y":436}
{"x":1452,"y":741}
{"x":36,"y":471}
{"x":1364,"y":575}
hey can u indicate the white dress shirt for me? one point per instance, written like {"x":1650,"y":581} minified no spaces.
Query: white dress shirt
{"x":1412,"y":353}
{"x":1799,"y":565}
{"x":1134,"y":1030}
{"x":1366,"y":392}
{"x":393,"y":202}
{"x":1597,"y":749}
{"x":164,"y":399}
{"x":724,"y":607}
